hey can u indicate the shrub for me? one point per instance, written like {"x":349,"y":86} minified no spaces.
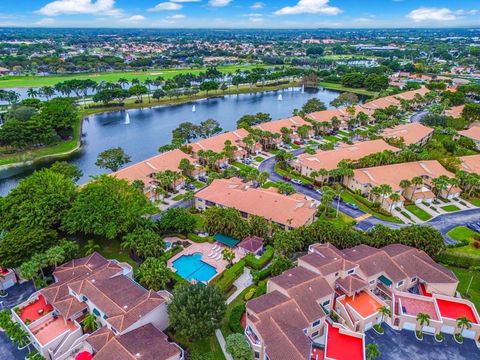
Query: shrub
{"x":225,"y":280}
{"x":252,"y":262}
{"x":261,"y":289}
{"x":249,"y":294}
{"x":462,"y":260}
{"x":237,"y":346}
{"x":261,"y":274}
{"x":234,"y":322}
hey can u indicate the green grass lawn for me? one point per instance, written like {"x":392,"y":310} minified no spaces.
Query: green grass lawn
{"x":475,"y":201}
{"x":340,"y":87}
{"x":111,"y":249}
{"x":331,"y":138}
{"x":199,"y":221}
{"x":463,"y":233}
{"x":198,"y":184}
{"x":269,"y":184}
{"x":420,"y":213}
{"x":37,"y":81}
{"x":259,"y":158}
{"x":464,"y":276}
{"x":207,"y":346}
{"x":450,"y":208}
{"x":347,"y":196}
{"x":178,"y":197}
{"x":283,"y":172}
{"x":241,"y":166}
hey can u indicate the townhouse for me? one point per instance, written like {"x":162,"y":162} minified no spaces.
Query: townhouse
{"x":472,"y":133}
{"x":321,"y":308}
{"x":470,"y":164}
{"x":145,"y":170}
{"x":8,"y":278}
{"x":94,"y":286}
{"x":292,"y":123}
{"x":411,"y":133}
{"x":455,"y":111}
{"x":326,"y":116}
{"x":364,"y":180}
{"x":288,"y":211}
{"x":217,"y":144}
{"x":329,"y":159}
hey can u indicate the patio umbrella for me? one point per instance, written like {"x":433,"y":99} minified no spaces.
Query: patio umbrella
{"x":84,"y":355}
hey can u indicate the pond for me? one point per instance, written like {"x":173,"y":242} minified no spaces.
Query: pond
{"x":150,"y":128}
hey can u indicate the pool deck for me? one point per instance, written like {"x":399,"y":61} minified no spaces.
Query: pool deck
{"x":454,"y":310}
{"x":204,"y":249}
{"x":363,"y":303}
{"x":415,"y":305}
{"x":37,"y":309}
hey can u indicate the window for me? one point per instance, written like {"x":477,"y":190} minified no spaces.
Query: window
{"x":400,"y":283}
{"x":305,"y":331}
{"x":257,"y":355}
{"x":316,"y":323}
{"x":372,"y":281}
{"x":315,"y":334}
{"x":351,"y":271}
{"x":414,"y":279}
{"x":336,"y":274}
{"x":326,"y":303}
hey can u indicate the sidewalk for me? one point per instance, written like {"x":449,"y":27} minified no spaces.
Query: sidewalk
{"x":222,"y":343}
{"x":244,"y":281}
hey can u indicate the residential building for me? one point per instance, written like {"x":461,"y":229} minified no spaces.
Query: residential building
{"x":217,"y":144}
{"x":364,"y":180}
{"x":470,"y":164}
{"x":329,"y":159}
{"x":455,"y":111}
{"x":288,"y":211}
{"x":472,"y":133}
{"x":8,"y":278}
{"x":321,"y":308}
{"x":326,"y":116}
{"x":145,"y":170}
{"x":92,"y":285}
{"x":411,"y":133}
{"x":292,"y":123}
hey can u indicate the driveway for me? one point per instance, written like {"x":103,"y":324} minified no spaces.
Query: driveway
{"x":446,"y":222}
{"x":418,"y":116}
{"x":401,"y":345}
{"x":8,"y":351}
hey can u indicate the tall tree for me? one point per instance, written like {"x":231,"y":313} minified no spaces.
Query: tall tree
{"x":112,"y":159}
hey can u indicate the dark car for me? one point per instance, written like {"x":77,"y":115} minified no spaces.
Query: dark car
{"x":286,"y":178}
{"x":352,"y":206}
{"x":309,"y":186}
{"x":203,"y":179}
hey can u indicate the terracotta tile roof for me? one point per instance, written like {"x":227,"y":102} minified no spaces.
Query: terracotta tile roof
{"x":411,"y":133}
{"x":293,"y":210}
{"x":329,"y":159}
{"x":100,"y":338}
{"x":146,"y":343}
{"x":417,"y":263}
{"x":217,"y":143}
{"x":327,"y":115}
{"x":470,"y":163}
{"x":351,"y":284}
{"x":275,"y":126}
{"x":251,"y":243}
{"x":455,"y":111}
{"x":146,"y":168}
{"x":83,"y":266}
{"x":393,"y":174}
{"x":472,"y":133}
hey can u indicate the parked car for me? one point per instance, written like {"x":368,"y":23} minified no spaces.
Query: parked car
{"x":318,"y":191}
{"x":203,"y":179}
{"x":286,"y":178}
{"x":309,"y":186}
{"x":296,"y":142}
{"x":189,"y":187}
{"x":352,"y":206}
{"x":296,"y":181}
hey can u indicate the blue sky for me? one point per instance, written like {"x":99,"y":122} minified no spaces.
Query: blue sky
{"x":240,"y":13}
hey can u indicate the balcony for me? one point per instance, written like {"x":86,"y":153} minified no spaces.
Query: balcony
{"x":34,"y":309}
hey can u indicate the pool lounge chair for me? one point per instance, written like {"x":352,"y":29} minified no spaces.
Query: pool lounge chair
{"x":215,"y":247}
{"x":219,"y":256}
{"x":211,"y":254}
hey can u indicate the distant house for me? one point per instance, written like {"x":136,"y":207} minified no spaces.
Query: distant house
{"x":288,"y":211}
{"x":329,"y":160}
{"x":364,"y":180}
{"x":472,"y":133}
{"x":470,"y":164}
{"x":292,"y":123}
{"x":251,"y":245}
{"x":412,"y":133}
{"x":455,"y":111}
{"x":4,"y":71}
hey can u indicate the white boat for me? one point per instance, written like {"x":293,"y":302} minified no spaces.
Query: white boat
{"x":280,"y":97}
{"x":127,"y":118}
{"x":193,"y":108}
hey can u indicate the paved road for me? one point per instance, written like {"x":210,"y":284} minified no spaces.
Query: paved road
{"x":418,"y":116}
{"x":446,"y":222}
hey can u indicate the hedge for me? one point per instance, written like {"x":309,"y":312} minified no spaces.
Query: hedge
{"x":458,"y":259}
{"x":261,"y":274}
{"x":235,"y":320}
{"x":199,"y":239}
{"x":256,"y":264}
{"x":261,"y":289}
{"x":225,"y":280}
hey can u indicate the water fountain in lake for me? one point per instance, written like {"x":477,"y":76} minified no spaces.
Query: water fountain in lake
{"x":280,"y":97}
{"x":127,"y":118}
{"x":194,"y":108}
{"x":303,"y":89}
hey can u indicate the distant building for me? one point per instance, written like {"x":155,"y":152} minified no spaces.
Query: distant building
{"x":472,"y":133}
{"x":412,"y":133}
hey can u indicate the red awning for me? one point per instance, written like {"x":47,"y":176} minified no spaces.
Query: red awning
{"x":84,"y":355}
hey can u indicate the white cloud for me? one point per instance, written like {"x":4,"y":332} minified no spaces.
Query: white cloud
{"x":219,"y":3}
{"x":256,"y":19}
{"x":45,"y":21}
{"x":176,"y":17}
{"x":257,"y":5}
{"x":310,"y":7}
{"x":166,"y":6}
{"x":184,"y":1}
{"x":133,"y":19}
{"x":438,"y":14}
{"x":70,"y":7}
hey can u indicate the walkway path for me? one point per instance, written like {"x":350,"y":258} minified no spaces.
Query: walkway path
{"x":222,"y":343}
{"x":244,"y":281}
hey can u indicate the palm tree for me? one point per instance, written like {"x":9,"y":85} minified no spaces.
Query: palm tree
{"x":373,"y":351}
{"x":55,"y":255}
{"x":416,"y":181}
{"x":28,"y":271}
{"x":31,"y":92}
{"x":395,"y":197}
{"x":423,"y":319}
{"x":122,"y":82}
{"x":384,"y":190}
{"x":47,"y":91}
{"x":90,"y":247}
{"x":463,"y":323}
{"x":89,"y":323}
{"x":148,"y":83}
{"x":384,"y":311}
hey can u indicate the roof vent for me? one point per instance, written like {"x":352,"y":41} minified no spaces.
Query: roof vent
{"x":125,"y":307}
{"x":138,"y":355}
{"x":93,"y":280}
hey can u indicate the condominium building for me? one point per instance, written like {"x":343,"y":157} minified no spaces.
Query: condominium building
{"x":412,"y":133}
{"x":292,"y":123}
{"x":472,"y":133}
{"x":470,"y":164}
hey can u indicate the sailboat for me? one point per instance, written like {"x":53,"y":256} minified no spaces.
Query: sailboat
{"x":280,"y":97}
{"x":193,"y":108}
{"x":127,"y":118}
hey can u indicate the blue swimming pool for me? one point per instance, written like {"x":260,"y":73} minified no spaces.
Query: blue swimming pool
{"x":192,"y":267}
{"x":168,"y":245}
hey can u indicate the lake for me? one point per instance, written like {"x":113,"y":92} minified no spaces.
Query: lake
{"x":150,"y":128}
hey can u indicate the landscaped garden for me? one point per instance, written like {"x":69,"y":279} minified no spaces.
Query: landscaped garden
{"x":367,"y":206}
{"x":450,"y":208}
